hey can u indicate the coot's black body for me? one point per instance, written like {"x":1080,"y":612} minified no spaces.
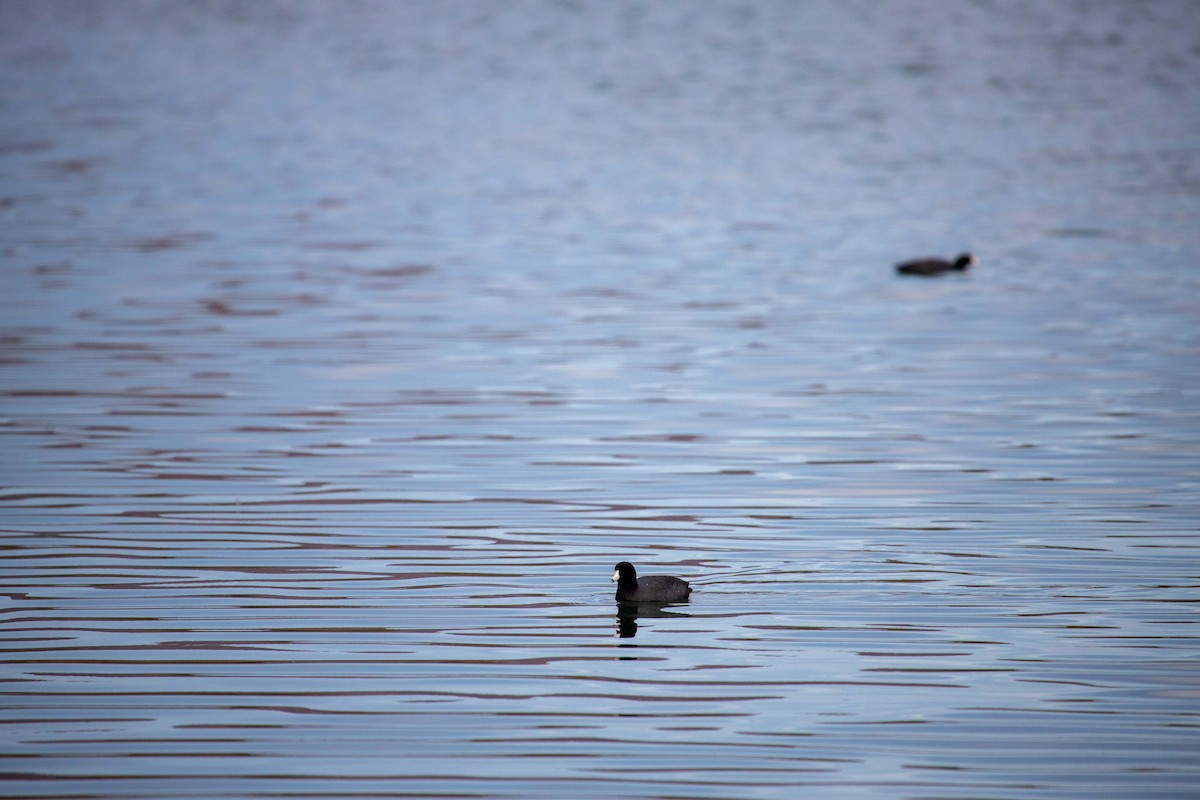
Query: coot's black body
{"x":650,"y":589}
{"x":935,"y":266}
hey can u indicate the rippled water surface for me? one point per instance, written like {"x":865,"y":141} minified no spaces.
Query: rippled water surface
{"x":347,"y":346}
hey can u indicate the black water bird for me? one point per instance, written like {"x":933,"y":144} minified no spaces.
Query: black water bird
{"x":650,"y":589}
{"x":935,"y":266}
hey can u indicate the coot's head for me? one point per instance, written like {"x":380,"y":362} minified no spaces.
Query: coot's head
{"x":963,"y":261}
{"x":625,"y":574}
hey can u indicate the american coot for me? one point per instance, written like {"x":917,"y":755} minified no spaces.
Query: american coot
{"x":650,"y":589}
{"x":935,"y":266}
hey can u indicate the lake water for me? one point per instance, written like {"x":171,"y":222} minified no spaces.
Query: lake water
{"x":347,"y":347}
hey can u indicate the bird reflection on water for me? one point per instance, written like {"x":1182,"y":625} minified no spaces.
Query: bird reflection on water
{"x":628,"y":613}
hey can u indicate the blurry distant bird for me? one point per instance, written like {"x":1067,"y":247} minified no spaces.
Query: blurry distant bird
{"x":935,"y":266}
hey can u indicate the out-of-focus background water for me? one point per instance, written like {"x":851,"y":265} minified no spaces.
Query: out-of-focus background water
{"x":347,"y":346}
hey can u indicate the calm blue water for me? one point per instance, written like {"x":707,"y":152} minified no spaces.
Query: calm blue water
{"x":347,"y":346}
